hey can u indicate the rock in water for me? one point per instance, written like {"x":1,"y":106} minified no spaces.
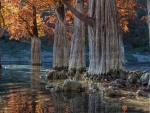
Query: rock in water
{"x":145,"y":78}
{"x":110,"y":92}
{"x":132,"y":79}
{"x":148,"y":86}
{"x":72,"y":85}
{"x":49,"y":86}
{"x":141,"y":93}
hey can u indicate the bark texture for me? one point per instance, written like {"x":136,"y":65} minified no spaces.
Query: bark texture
{"x":148,"y":9}
{"x":35,"y":43}
{"x":77,"y":54}
{"x":36,"y":51}
{"x":104,"y":39}
{"x":61,"y":49}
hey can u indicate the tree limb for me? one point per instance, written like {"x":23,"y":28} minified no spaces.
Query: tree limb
{"x":88,"y":20}
{"x":60,"y":19}
{"x":63,"y":23}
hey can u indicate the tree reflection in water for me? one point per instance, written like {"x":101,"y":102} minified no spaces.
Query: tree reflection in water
{"x":22,"y":91}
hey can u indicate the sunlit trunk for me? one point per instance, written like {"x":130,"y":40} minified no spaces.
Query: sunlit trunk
{"x":77,"y":54}
{"x":148,"y":8}
{"x":104,"y":40}
{"x":35,"y":43}
{"x":61,"y":49}
{"x":36,"y":51}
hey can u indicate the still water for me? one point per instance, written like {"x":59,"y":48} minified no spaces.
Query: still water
{"x":22,"y":91}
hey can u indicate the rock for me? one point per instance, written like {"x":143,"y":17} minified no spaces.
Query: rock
{"x":141,"y":93}
{"x":50,"y":74}
{"x":49,"y":86}
{"x":132,"y":78}
{"x":119,"y":83}
{"x":148,"y":86}
{"x":110,"y":92}
{"x":43,"y":76}
{"x":47,"y":74}
{"x":56,"y":75}
{"x":72,"y":85}
{"x":145,"y":78}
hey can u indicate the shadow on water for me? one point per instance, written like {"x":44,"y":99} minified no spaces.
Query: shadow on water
{"x":22,"y":91}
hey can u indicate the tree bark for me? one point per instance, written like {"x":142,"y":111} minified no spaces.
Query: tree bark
{"x":77,"y":54}
{"x":104,"y":39}
{"x":105,"y":42}
{"x":35,"y":43}
{"x":61,"y":49}
{"x":36,"y":51}
{"x":148,"y":9}
{"x":88,"y":20}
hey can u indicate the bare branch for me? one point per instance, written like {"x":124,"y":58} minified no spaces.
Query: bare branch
{"x":63,"y":22}
{"x":88,"y":20}
{"x":65,"y":25}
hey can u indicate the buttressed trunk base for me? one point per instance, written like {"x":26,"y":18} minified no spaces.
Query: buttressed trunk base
{"x":77,"y":54}
{"x":61,"y":49}
{"x":104,"y":39}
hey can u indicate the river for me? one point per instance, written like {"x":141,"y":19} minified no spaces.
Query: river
{"x":22,"y":91}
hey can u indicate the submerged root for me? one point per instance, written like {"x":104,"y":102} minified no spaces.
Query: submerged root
{"x":60,"y":68}
{"x":112,"y":74}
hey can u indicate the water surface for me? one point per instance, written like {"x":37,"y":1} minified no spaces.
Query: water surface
{"x":22,"y":91}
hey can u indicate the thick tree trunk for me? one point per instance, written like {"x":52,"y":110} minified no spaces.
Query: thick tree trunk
{"x":148,"y":8}
{"x":35,"y":43}
{"x":104,"y":40}
{"x":36,"y":51}
{"x":61,"y":49}
{"x":77,"y":54}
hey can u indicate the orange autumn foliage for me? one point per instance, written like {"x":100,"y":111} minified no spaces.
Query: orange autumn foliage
{"x":126,"y":11}
{"x":18,"y":16}
{"x":20,"y":26}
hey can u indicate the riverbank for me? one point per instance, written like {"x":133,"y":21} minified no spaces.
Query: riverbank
{"x":12,"y":51}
